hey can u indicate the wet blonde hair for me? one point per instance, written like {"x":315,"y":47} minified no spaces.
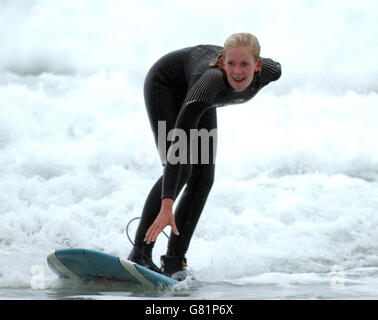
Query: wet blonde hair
{"x":241,"y":39}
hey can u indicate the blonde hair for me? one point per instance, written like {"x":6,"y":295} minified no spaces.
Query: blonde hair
{"x":241,"y":39}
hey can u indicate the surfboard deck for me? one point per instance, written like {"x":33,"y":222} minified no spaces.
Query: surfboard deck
{"x":87,"y":264}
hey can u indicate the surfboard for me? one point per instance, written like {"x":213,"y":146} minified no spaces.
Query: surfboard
{"x":87,"y":264}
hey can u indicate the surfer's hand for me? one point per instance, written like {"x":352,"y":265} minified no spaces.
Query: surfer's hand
{"x":164,"y":218}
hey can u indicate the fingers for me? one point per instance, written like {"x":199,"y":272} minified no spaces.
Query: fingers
{"x":152,"y":233}
{"x":155,"y":229}
{"x":174,"y":229}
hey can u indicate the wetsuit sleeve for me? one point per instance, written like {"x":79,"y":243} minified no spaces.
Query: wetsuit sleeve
{"x":270,"y":71}
{"x":188,"y":119}
{"x":198,"y":100}
{"x":206,"y":87}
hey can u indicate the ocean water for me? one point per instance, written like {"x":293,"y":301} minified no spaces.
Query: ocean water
{"x":293,"y":213}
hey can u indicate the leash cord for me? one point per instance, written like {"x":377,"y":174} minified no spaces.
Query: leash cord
{"x":127,"y":230}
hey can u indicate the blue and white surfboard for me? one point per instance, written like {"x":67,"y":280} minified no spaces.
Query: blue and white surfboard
{"x":89,"y":264}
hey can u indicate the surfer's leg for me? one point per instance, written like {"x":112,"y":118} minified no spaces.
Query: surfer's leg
{"x":193,"y":199}
{"x":162,"y":105}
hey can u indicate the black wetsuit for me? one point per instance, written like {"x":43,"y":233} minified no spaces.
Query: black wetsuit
{"x":184,"y":91}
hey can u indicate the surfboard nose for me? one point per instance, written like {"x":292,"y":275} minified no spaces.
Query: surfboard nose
{"x":90,"y":264}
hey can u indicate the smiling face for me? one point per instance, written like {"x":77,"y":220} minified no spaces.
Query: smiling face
{"x":240,"y":66}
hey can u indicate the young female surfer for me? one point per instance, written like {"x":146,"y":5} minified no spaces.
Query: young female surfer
{"x":182,"y":91}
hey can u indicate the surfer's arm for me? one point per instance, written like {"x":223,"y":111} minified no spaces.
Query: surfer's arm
{"x":178,"y":167}
{"x":198,"y":100}
{"x":270,"y":70}
{"x":187,"y":119}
